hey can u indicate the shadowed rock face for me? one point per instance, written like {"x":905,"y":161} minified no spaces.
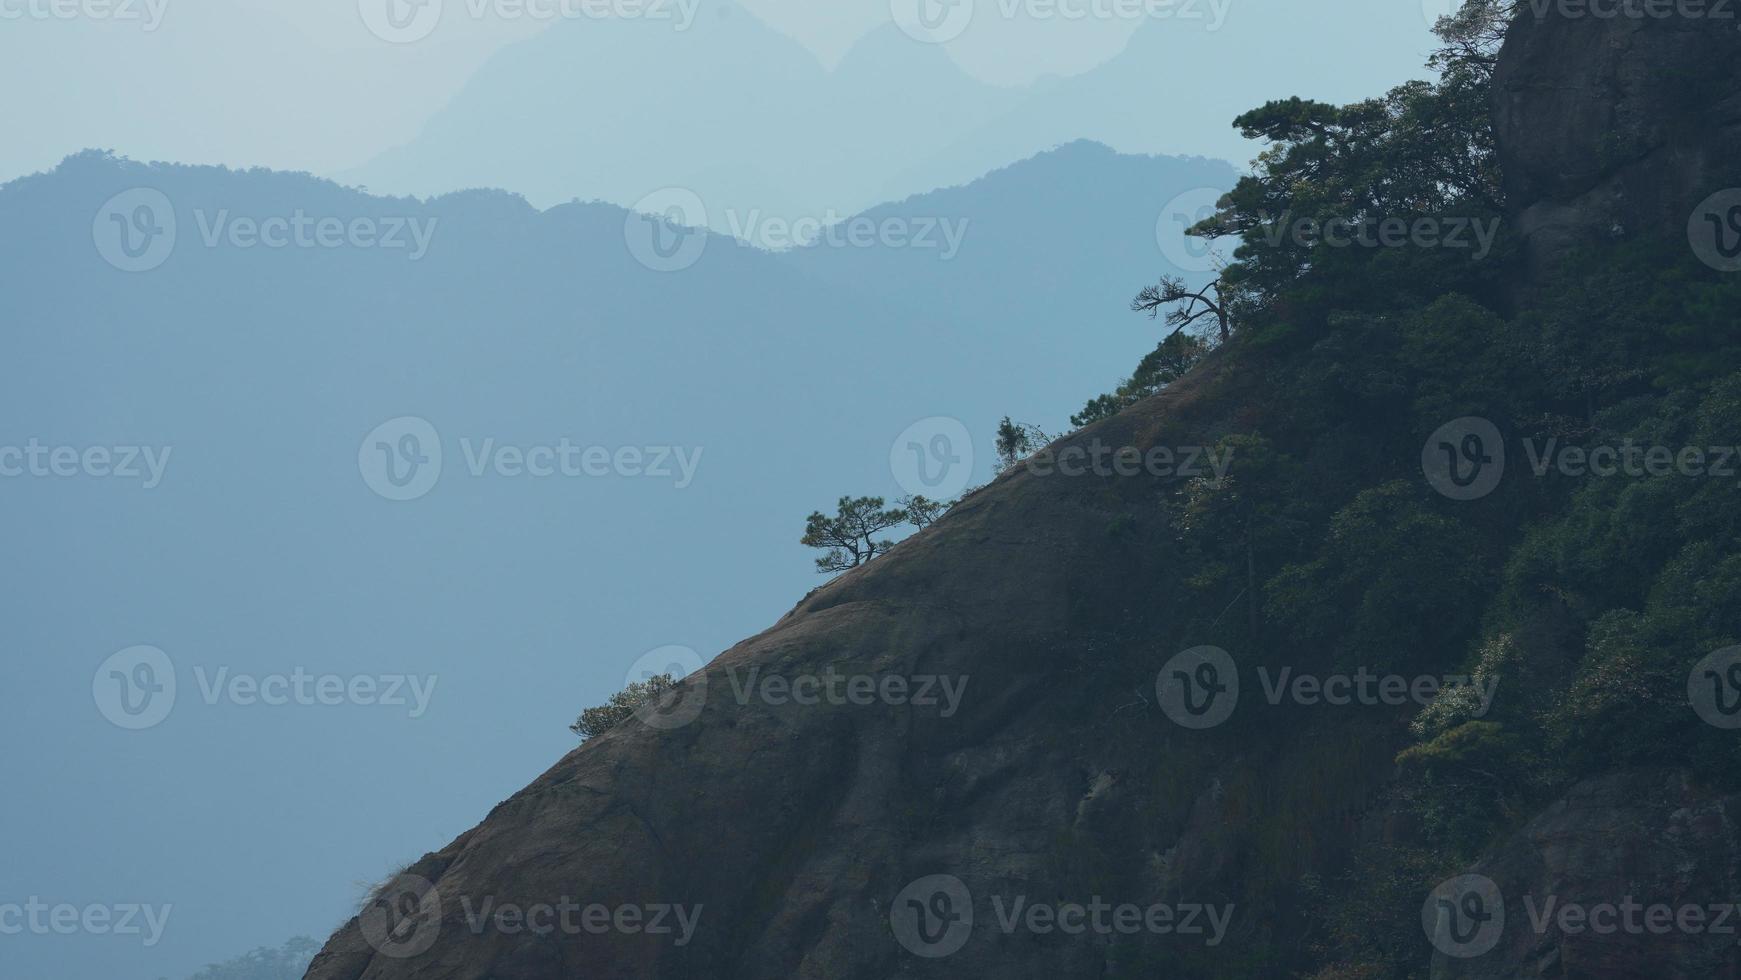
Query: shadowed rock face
{"x":1617,"y":126}
{"x":1649,"y":839}
{"x":795,"y":827}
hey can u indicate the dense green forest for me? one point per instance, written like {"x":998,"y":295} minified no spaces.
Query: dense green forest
{"x":1592,"y":598}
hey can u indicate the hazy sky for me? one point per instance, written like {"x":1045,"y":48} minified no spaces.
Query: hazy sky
{"x":306,"y":85}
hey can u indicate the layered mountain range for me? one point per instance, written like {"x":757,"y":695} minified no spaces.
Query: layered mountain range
{"x":746,"y":118}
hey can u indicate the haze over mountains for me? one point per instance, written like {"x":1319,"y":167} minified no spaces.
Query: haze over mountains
{"x":263,"y":549}
{"x":279,"y":83}
{"x":769,"y":104}
{"x":746,"y":118}
{"x":260,"y":371}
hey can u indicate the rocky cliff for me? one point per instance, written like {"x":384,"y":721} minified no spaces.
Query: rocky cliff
{"x":1632,"y":875}
{"x":1618,"y":125}
{"x":795,"y":829}
{"x":1010,"y":792}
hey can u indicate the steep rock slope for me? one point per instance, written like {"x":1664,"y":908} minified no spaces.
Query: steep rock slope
{"x":1649,"y":839}
{"x":1615,"y":126}
{"x":795,"y":828}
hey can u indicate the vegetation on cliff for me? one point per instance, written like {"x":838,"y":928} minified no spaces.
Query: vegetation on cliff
{"x":1589,"y":598}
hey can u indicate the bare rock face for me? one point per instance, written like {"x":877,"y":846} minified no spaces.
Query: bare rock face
{"x":802,"y":840}
{"x":1617,"y":125}
{"x":1628,"y":876}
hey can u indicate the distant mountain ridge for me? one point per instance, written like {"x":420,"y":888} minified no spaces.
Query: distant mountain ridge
{"x":745,"y":118}
{"x":264,"y":547}
{"x":729,"y":82}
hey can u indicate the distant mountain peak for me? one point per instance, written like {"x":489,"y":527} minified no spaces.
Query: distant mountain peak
{"x":888,"y":49}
